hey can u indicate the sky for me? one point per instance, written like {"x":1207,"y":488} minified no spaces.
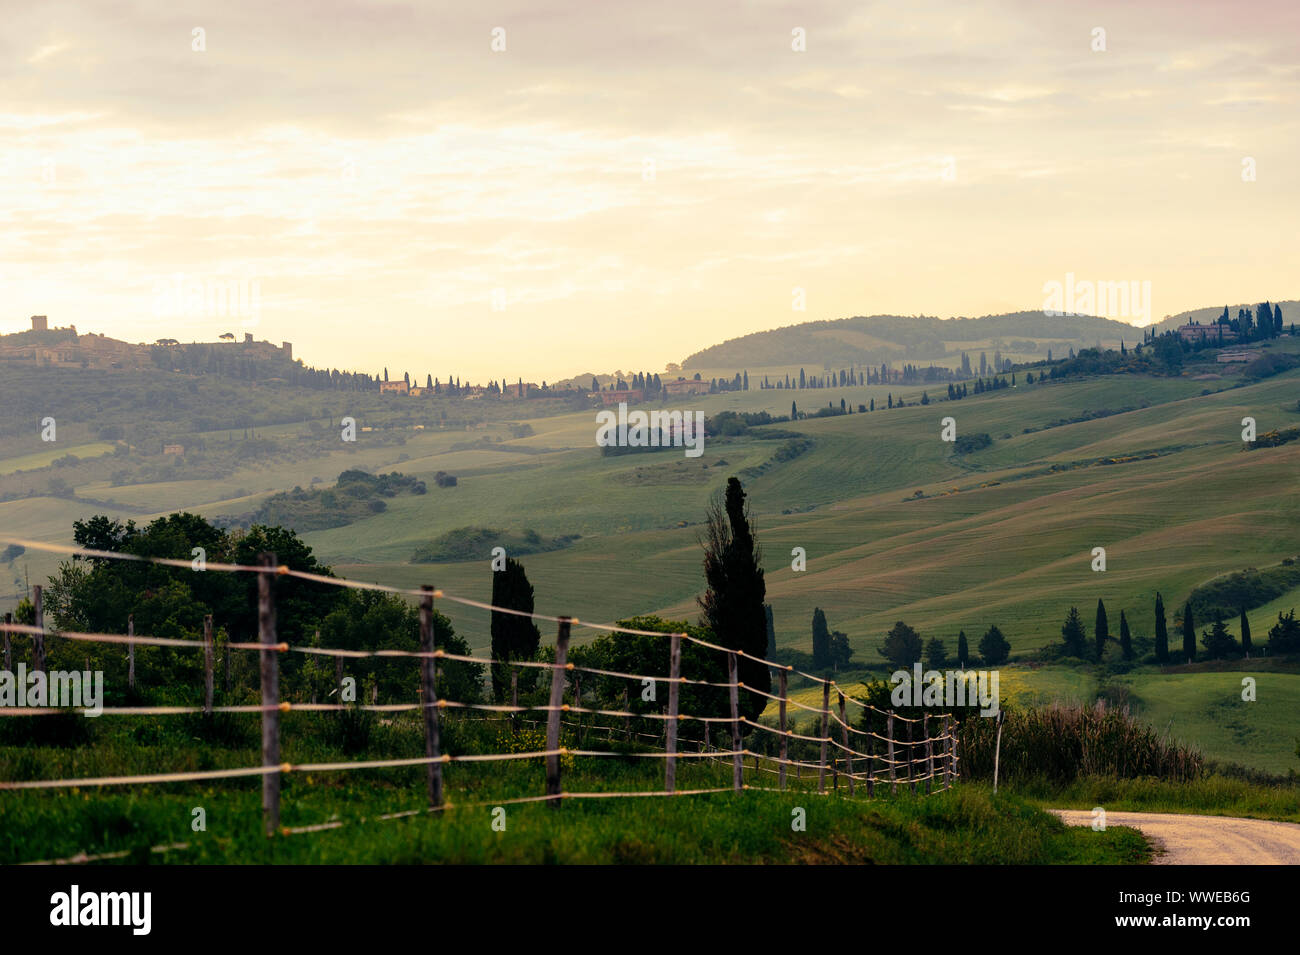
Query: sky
{"x":618,"y":185}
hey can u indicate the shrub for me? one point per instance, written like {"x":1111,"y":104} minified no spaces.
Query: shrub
{"x":968,"y":443}
{"x":350,"y":729}
{"x":1063,"y":743}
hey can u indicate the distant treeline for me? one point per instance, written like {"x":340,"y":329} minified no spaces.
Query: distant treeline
{"x":356,"y":495}
{"x":476,"y":543}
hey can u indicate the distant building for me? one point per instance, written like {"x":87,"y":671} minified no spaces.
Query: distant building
{"x":631,"y":396}
{"x":40,"y":323}
{"x":1214,"y":332}
{"x":1231,"y":357}
{"x":287,"y":348}
{"x":685,"y":386}
{"x":519,"y":390}
{"x":394,"y":388}
{"x":248,"y":338}
{"x":173,"y":449}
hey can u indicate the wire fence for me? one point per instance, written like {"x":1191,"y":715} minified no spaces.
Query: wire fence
{"x":919,"y":754}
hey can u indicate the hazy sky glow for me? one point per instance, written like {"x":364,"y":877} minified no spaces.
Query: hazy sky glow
{"x":378,"y":170}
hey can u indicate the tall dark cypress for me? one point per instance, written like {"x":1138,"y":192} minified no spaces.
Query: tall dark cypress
{"x":963,"y":651}
{"x":1101,"y":632}
{"x":1125,"y":641}
{"x":821,"y":640}
{"x":513,"y":637}
{"x":1245,"y":632}
{"x":733,"y":603}
{"x":1189,"y":633}
{"x":1162,"y":632}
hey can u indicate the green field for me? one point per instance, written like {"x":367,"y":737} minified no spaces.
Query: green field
{"x":964,"y":825}
{"x":895,"y":525}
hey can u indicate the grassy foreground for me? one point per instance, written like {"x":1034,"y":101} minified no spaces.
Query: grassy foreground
{"x":961,"y":826}
{"x":964,"y":825}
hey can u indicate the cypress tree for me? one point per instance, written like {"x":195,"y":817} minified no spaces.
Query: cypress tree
{"x":1245,"y":632}
{"x":733,"y":603}
{"x":821,"y":640}
{"x":1125,"y":641}
{"x":1162,"y":632}
{"x":513,"y":637}
{"x":1101,"y":632}
{"x":1189,"y":633}
{"x":963,"y":651}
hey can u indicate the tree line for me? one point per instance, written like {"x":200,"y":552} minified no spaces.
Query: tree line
{"x":1217,"y":642}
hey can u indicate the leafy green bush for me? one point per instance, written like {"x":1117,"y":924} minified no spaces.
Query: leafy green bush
{"x":968,"y":443}
{"x":476,"y":543}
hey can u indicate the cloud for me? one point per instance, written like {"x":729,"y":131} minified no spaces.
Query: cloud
{"x":636,"y":177}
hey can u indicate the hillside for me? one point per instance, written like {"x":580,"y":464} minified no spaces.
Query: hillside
{"x":1204,"y":316}
{"x":895,"y":522}
{"x":885,"y":338}
{"x":1155,"y":462}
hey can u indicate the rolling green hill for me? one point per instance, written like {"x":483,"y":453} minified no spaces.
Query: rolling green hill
{"x":870,"y":340}
{"x":896,"y":525}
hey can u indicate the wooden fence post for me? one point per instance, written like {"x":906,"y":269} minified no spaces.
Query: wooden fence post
{"x":270,"y":695}
{"x":553,"y":716}
{"x":785,"y":740}
{"x":9,"y":650}
{"x":627,"y":708}
{"x":871,"y":755}
{"x":207,"y":665}
{"x":943,"y":754}
{"x":911,"y":757}
{"x":956,"y":759}
{"x":674,"y":687}
{"x":130,"y":653}
{"x":514,"y":701}
{"x":38,"y":638}
{"x":889,"y":737}
{"x":826,"y":712}
{"x":737,"y":767}
{"x":338,"y":674}
{"x":997,"y":753}
{"x":429,"y":687}
{"x":577,"y":702}
{"x":929,"y":757}
{"x":848,"y":753}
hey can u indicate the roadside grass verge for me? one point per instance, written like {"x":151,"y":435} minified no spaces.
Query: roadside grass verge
{"x":963,"y":826}
{"x":1211,"y":796}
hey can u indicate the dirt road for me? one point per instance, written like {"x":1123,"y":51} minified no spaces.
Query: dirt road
{"x":1181,"y":839}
